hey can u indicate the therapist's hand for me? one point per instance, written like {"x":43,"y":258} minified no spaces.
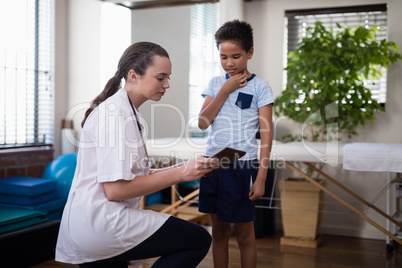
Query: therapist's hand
{"x":197,"y":168}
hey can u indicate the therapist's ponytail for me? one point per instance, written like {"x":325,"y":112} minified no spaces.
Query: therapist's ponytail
{"x":138,"y":57}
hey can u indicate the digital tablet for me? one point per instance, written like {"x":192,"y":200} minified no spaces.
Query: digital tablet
{"x":226,"y":157}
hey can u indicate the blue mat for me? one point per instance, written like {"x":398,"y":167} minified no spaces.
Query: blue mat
{"x":27,"y":200}
{"x":53,"y":208}
{"x":27,"y":186}
{"x":12,"y":219}
{"x":55,"y":204}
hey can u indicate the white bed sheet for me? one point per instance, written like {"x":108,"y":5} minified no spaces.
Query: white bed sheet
{"x":189,"y":148}
{"x":377,"y":157}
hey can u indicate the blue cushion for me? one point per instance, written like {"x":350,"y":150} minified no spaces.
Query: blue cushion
{"x":27,"y":186}
{"x":27,"y":200}
{"x":52,"y":205}
{"x":13,"y":219}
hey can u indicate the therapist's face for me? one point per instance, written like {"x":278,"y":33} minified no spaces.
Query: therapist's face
{"x":155,"y":81}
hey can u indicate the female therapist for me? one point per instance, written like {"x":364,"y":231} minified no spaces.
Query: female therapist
{"x":102,"y":224}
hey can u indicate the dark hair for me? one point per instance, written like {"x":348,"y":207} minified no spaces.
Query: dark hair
{"x":138,"y":57}
{"x":239,"y":32}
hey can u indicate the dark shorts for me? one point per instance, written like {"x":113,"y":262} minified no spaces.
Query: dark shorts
{"x":226,"y":193}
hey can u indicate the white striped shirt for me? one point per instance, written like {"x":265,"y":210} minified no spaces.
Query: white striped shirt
{"x":237,"y":121}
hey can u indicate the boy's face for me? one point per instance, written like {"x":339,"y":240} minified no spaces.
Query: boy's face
{"x":234,"y":58}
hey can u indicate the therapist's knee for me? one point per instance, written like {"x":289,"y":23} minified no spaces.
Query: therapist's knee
{"x":205,"y":239}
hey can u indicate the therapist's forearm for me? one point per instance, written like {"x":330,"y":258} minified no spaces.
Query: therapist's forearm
{"x":141,"y":185}
{"x":156,"y":170}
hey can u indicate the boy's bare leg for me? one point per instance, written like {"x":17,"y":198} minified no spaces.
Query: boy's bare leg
{"x":246,"y":240}
{"x":221,"y":232}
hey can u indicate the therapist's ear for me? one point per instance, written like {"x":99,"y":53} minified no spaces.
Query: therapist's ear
{"x":132,"y":75}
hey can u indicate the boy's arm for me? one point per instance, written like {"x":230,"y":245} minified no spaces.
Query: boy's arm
{"x":211,"y":105}
{"x":258,"y":188}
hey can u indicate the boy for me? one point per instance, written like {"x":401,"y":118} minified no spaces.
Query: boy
{"x":236,"y":105}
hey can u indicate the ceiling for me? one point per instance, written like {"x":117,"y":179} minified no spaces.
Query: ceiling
{"x":138,"y":4}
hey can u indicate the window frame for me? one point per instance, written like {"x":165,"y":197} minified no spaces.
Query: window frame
{"x":378,"y":87}
{"x":34,"y":106}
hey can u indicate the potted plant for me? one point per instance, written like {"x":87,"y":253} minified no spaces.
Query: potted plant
{"x":326,"y":91}
{"x":329,"y":70}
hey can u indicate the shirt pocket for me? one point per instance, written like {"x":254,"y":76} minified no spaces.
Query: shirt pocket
{"x":244,"y":100}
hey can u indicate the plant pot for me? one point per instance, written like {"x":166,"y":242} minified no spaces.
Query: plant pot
{"x":301,"y":203}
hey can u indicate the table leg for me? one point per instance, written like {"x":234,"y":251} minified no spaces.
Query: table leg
{"x":343,"y":202}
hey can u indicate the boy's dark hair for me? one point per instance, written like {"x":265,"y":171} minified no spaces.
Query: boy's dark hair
{"x":236,"y":31}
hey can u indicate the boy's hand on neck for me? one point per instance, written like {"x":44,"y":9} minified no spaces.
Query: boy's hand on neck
{"x":234,"y":82}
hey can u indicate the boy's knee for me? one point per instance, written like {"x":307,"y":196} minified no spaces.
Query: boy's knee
{"x":245,"y":240}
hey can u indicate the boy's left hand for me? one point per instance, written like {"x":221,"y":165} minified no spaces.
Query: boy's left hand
{"x":257,"y":190}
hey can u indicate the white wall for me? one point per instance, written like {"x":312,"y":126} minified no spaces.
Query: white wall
{"x":81,"y":71}
{"x":170,"y":28}
{"x":77,"y":73}
{"x":61,"y":64}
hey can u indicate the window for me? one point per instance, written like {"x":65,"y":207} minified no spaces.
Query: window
{"x":370,"y":16}
{"x":204,"y":58}
{"x":26,"y":75}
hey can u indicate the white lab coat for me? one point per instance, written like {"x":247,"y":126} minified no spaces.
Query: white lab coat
{"x":111,"y":148}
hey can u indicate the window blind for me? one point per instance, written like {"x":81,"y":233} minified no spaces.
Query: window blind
{"x":369,"y":16}
{"x":26,"y":75}
{"x":204,"y":57}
